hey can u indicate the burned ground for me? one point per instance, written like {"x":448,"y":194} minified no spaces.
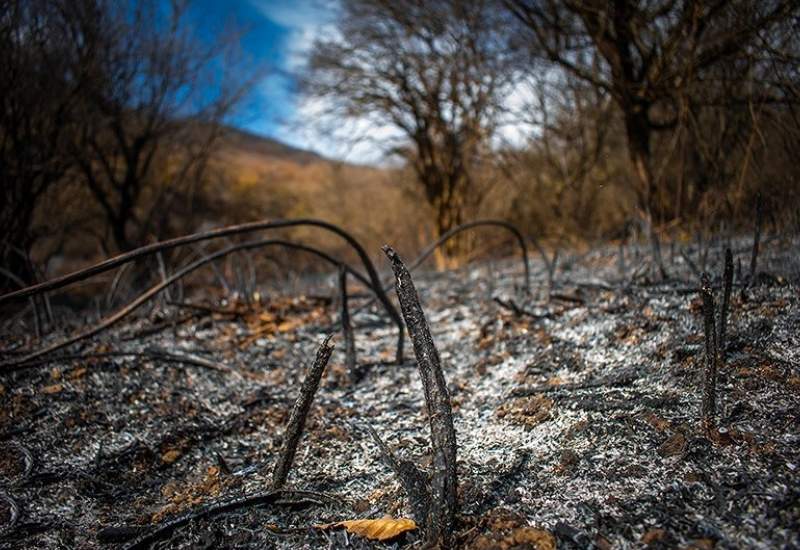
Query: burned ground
{"x":577,"y":415}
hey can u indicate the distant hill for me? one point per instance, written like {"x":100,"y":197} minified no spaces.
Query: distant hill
{"x":242,"y":144}
{"x":264,"y":178}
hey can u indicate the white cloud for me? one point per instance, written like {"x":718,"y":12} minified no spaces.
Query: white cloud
{"x":309,"y":124}
{"x":362,"y":140}
{"x":305,"y":20}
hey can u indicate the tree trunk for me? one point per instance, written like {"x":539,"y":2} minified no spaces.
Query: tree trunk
{"x":638,"y":133}
{"x":15,"y":247}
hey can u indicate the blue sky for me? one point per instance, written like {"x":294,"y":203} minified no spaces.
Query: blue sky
{"x":277,"y":35}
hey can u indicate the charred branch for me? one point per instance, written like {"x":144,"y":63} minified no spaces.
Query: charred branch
{"x":222,"y":507}
{"x":150,"y":353}
{"x":440,"y":521}
{"x":297,"y":420}
{"x":116,"y":261}
{"x":756,"y":241}
{"x":425,"y":254}
{"x":414,"y":481}
{"x":347,"y":328}
{"x":727,"y":281}
{"x":709,"y":404}
{"x":512,"y":306}
{"x":156,"y":289}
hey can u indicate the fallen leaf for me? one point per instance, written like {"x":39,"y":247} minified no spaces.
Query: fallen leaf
{"x":77,"y":373}
{"x":170,"y":456}
{"x":55,"y":388}
{"x":375,"y":529}
{"x":653,"y":535}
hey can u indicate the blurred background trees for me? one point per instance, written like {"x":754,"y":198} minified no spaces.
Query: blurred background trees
{"x":116,"y":105}
{"x":656,"y":60}
{"x":436,"y":72}
{"x":576,"y":120}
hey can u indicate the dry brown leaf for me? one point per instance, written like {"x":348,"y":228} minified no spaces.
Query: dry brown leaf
{"x":375,"y":529}
{"x":55,"y":388}
{"x":289,"y":324}
{"x":170,"y":456}
{"x":77,"y":373}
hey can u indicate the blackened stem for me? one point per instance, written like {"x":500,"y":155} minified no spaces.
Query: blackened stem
{"x":347,"y":327}
{"x":297,"y":420}
{"x":710,"y":374}
{"x":440,"y":522}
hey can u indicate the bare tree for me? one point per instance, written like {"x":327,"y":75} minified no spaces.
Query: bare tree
{"x":37,"y":115}
{"x":153,"y":100}
{"x":434,"y":71}
{"x":570,"y":160}
{"x":653,"y":53}
{"x":120,"y":97}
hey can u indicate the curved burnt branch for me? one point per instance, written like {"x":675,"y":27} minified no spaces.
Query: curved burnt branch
{"x":425,"y":254}
{"x":111,"y":263}
{"x":154,"y":290}
{"x":224,"y":506}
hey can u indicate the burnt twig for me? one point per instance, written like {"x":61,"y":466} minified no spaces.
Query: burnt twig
{"x":154,"y":354}
{"x":469,"y":225}
{"x":440,"y":520}
{"x":347,"y":328}
{"x":512,"y":306}
{"x":709,"y":403}
{"x":297,"y":420}
{"x":756,"y":241}
{"x":111,"y":320}
{"x":415,"y":482}
{"x":221,"y":507}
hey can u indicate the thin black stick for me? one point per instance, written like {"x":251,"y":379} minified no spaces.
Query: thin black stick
{"x":440,"y":522}
{"x":152,"y":353}
{"x":469,"y":225}
{"x":220,"y":507}
{"x":347,"y":328}
{"x":709,"y":404}
{"x":727,"y":279}
{"x":297,"y":420}
{"x":512,"y":306}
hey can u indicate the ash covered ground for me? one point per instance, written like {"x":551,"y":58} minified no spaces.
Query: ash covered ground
{"x":578,"y":415}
